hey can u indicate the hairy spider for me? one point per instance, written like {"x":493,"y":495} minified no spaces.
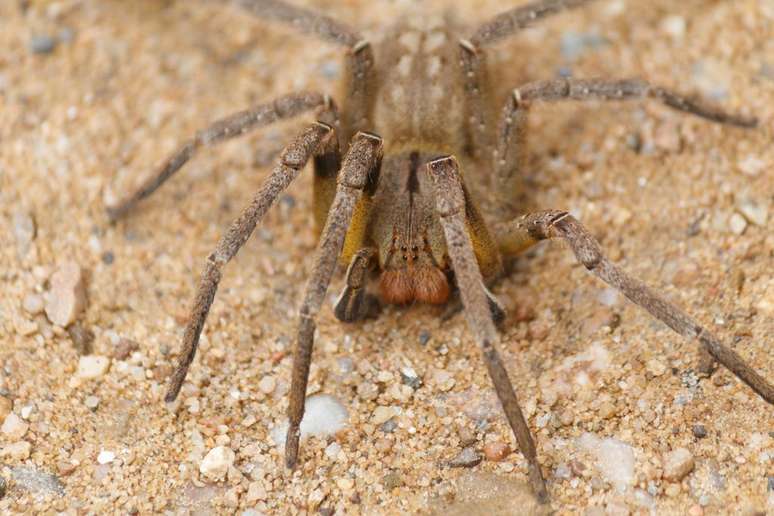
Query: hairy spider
{"x":396,"y":211}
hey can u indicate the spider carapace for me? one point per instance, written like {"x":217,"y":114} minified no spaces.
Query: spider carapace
{"x":428,"y":154}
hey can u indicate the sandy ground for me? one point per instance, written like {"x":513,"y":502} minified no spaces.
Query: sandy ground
{"x":682,"y":203}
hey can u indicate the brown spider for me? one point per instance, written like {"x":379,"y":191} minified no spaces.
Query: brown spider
{"x":396,"y":207}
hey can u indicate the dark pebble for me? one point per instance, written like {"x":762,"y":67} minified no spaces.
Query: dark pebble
{"x":424,"y":337}
{"x":771,"y":484}
{"x":467,"y":458}
{"x":124,"y":348}
{"x":4,"y":486}
{"x":410,"y":379}
{"x":108,"y":257}
{"x":699,"y":431}
{"x":82,"y":338}
{"x":42,"y":44}
{"x":389,"y":426}
{"x":326,"y":511}
{"x":392,"y":480}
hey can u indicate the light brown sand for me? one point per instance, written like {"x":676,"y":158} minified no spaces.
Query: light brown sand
{"x":139,"y":77}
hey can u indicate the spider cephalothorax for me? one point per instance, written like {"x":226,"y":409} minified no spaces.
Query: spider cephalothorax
{"x":417,"y":111}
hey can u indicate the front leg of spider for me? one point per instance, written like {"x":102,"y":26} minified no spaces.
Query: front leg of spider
{"x":361,"y":164}
{"x":450,"y":205}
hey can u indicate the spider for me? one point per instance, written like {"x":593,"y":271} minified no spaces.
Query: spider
{"x":399,"y":212}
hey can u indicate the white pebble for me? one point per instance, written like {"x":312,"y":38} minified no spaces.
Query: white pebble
{"x":737,"y":224}
{"x":677,"y":464}
{"x":26,"y":411}
{"x":91,"y":402}
{"x":674,"y":25}
{"x":332,"y":450}
{"x":753,"y":211}
{"x":614,"y":459}
{"x":67,"y":296}
{"x":16,"y":451}
{"x":217,"y":462}
{"x":751,"y":165}
{"x":33,"y":304}
{"x":91,"y":367}
{"x":323,"y":415}
{"x":267,"y":384}
{"x":383,"y":414}
{"x":14,"y":427}
{"x":105,"y":457}
{"x":443,"y":380}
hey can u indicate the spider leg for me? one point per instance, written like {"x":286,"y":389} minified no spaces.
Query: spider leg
{"x":302,"y":19}
{"x":231,"y":126}
{"x":450,"y":205}
{"x":291,"y":162}
{"x":525,"y":231}
{"x":473,"y":61}
{"x":511,"y":149}
{"x":360,"y":86}
{"x":361,"y":164}
{"x":513,"y":20}
{"x":354,"y":303}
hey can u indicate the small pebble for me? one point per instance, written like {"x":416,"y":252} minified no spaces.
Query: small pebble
{"x":24,"y":230}
{"x":410,"y":377}
{"x":699,"y":431}
{"x":332,"y":450}
{"x":3,"y":487}
{"x":443,"y":380}
{"x":255,"y":492}
{"x":424,"y":337}
{"x":393,"y":480}
{"x":124,"y":349}
{"x":323,"y":415}
{"x":16,"y":451}
{"x":267,"y":384}
{"x":382,"y":414}
{"x":677,"y":464}
{"x":108,"y":257}
{"x":655,"y":367}
{"x":737,"y":224}
{"x":367,"y":391}
{"x":81,"y":338}
{"x":496,"y":451}
{"x":755,"y":212}
{"x":771,"y":484}
{"x":33,"y":304}
{"x":67,"y":297}
{"x":92,"y":402}
{"x":467,"y":458}
{"x":105,"y":457}
{"x":217,"y":462}
{"x":751,"y":165}
{"x":42,"y":44}
{"x":14,"y":427}
{"x":6,"y":406}
{"x":91,"y":367}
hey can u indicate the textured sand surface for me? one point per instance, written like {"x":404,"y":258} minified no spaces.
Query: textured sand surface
{"x":684,"y":204}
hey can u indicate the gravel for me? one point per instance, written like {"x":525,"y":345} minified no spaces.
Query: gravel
{"x":67,"y":297}
{"x":467,"y":458}
{"x":677,"y":464}
{"x":217,"y":462}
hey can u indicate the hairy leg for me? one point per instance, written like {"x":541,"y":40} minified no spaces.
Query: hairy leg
{"x":450,"y":204}
{"x":474,"y":68}
{"x":362,"y":160}
{"x":224,"y":129}
{"x":291,"y":161}
{"x":354,"y":303}
{"x":531,"y":228}
{"x":511,"y":149}
{"x":359,"y":86}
